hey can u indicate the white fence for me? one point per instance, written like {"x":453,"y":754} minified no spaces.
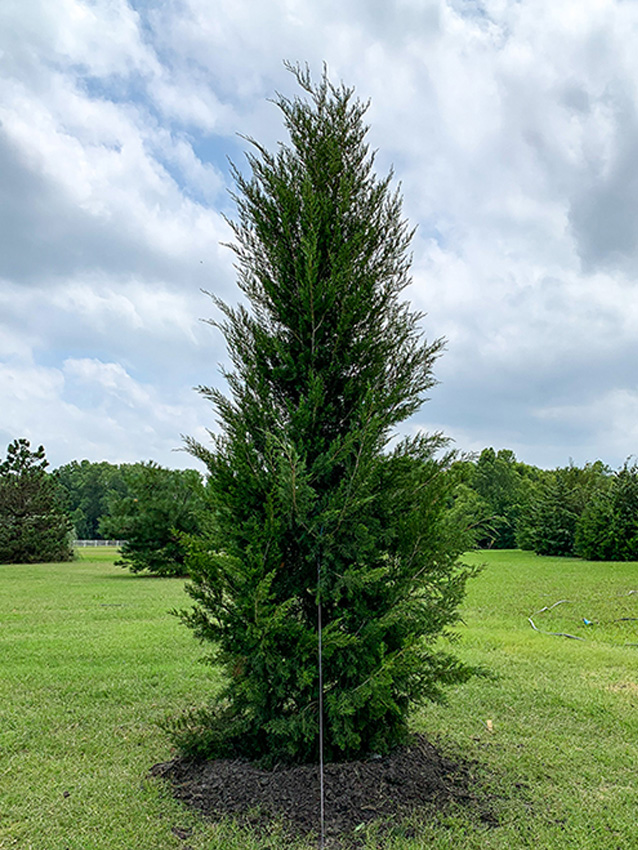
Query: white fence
{"x":82,"y":543}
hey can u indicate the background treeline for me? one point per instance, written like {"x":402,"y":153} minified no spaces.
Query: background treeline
{"x":148,"y":506}
{"x":502,"y":503}
{"x":151,"y":508}
{"x":589,"y":512}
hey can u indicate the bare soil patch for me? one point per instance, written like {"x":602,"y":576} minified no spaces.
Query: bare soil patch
{"x":386,"y":789}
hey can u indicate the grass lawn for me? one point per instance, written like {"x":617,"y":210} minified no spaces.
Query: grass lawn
{"x":91,"y":660}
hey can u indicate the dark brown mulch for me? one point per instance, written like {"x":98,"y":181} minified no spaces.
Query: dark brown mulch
{"x":388,"y":789}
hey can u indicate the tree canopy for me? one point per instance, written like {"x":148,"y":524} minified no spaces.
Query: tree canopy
{"x":312,"y":509}
{"x":86,"y":487}
{"x":34,"y":526}
{"x":152,"y":513}
{"x":608,"y":527}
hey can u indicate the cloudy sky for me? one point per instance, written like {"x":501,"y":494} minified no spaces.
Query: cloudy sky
{"x":512,"y":126}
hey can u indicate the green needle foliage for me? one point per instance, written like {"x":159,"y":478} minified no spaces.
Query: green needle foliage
{"x":159,"y":506}
{"x":310,"y":502}
{"x":608,"y":528}
{"x":34,"y":527}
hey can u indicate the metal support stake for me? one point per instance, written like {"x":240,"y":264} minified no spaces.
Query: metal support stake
{"x":321,"y":786}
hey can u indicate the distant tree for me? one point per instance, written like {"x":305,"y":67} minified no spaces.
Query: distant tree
{"x":158,"y":508}
{"x":608,"y":527}
{"x":549,"y":522}
{"x":595,"y":534}
{"x":503,"y":483}
{"x":587,"y":481}
{"x":309,"y":503}
{"x":467,"y":509}
{"x":87,"y":486}
{"x":552,"y":519}
{"x":34,"y":527}
{"x":526,"y":524}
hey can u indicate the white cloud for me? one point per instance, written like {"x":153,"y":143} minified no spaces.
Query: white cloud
{"x":109,"y":306}
{"x":91,"y":182}
{"x":101,"y":37}
{"x":110,"y":379}
{"x":511,"y":125}
{"x":96,"y":410}
{"x":610,"y":421}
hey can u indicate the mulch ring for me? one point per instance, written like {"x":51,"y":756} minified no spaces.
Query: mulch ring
{"x":385,"y":789}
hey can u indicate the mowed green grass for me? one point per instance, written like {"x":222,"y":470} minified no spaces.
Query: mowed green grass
{"x":563,"y":712}
{"x":91,"y":660}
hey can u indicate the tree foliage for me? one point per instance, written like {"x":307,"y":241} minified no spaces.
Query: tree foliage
{"x":468,"y":510}
{"x":86,"y":486}
{"x":549,"y":524}
{"x":34,"y":526}
{"x":503,"y":487}
{"x":157,"y":508}
{"x":608,"y":527}
{"x":309,"y":502}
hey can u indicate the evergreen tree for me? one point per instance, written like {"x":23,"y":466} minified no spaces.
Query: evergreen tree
{"x":549,"y":523}
{"x":594,"y":537}
{"x":310,"y":503}
{"x":608,"y":527}
{"x":157,"y":508}
{"x":551,"y":520}
{"x":34,"y":527}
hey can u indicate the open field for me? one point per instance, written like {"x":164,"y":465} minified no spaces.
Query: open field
{"x":91,"y":660}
